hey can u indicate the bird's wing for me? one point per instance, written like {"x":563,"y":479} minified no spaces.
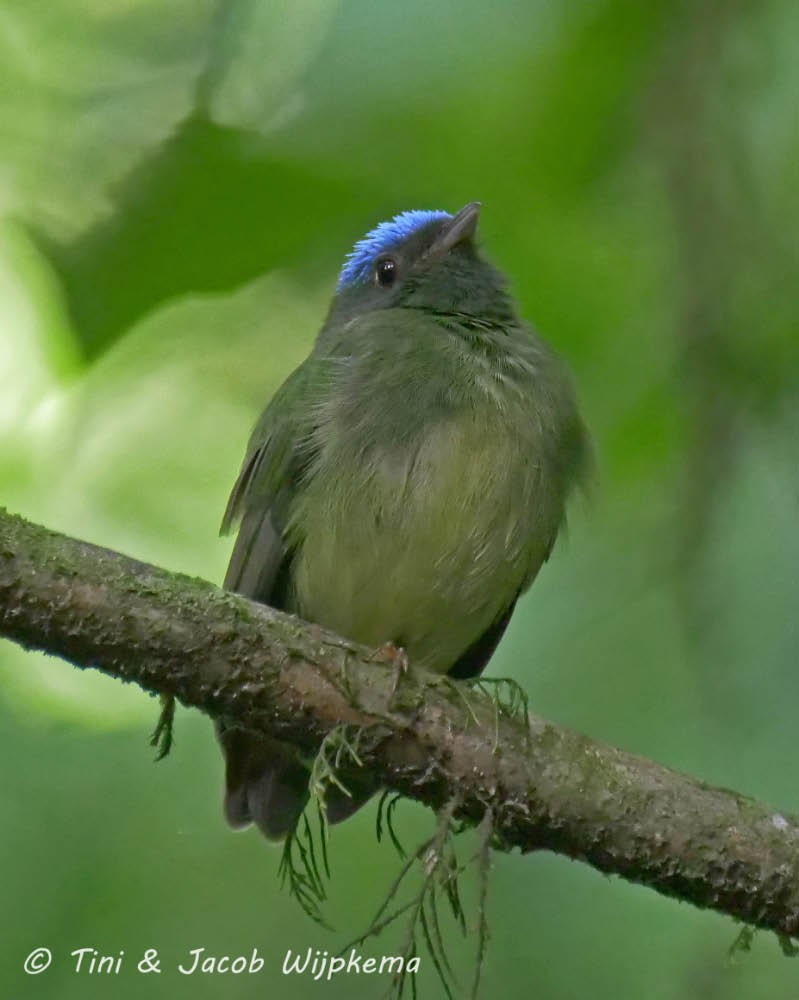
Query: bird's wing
{"x":265,"y":782}
{"x":571,"y":463}
{"x":276,"y":458}
{"x":473,"y":660}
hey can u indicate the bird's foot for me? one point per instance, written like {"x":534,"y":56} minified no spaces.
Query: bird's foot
{"x":396,"y":657}
{"x":162,"y":737}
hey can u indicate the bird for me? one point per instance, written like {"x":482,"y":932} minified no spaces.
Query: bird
{"x":406,"y":483}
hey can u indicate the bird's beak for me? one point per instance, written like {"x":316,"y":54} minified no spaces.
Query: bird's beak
{"x":461,"y":227}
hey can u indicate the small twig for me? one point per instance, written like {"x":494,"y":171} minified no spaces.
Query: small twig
{"x":483,"y":857}
{"x":163,"y":734}
{"x":385,"y":815}
{"x":304,"y":880}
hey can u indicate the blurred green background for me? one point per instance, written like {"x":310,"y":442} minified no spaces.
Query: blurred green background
{"x":179,"y":184}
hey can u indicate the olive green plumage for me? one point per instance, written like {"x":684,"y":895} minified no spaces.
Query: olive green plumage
{"x":407,"y":481}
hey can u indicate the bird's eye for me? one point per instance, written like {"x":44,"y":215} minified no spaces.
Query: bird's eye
{"x":386,"y":272}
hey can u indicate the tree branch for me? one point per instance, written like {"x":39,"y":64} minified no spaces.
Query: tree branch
{"x":548,"y":787}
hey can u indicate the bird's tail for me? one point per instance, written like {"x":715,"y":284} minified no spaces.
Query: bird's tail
{"x":267,"y":784}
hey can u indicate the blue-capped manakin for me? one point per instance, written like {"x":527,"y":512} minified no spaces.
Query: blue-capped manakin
{"x":406,"y":482}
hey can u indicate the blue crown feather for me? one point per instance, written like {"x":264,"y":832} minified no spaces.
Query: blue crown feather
{"x":381,"y":239}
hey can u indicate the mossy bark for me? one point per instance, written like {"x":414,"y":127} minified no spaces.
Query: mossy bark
{"x":547,"y":786}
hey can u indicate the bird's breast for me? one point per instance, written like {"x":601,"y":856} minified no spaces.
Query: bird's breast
{"x":419,"y":524}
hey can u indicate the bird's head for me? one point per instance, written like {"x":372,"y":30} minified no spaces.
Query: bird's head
{"x":421,"y":260}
